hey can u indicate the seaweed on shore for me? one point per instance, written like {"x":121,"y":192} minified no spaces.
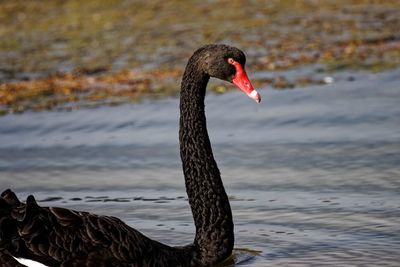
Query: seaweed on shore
{"x":71,"y":54}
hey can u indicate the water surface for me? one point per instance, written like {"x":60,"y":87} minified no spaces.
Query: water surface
{"x":312,"y":173}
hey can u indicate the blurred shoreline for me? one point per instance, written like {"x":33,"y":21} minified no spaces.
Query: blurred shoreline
{"x":56,"y":54}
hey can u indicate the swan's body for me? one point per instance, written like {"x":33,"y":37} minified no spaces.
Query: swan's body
{"x":61,"y":237}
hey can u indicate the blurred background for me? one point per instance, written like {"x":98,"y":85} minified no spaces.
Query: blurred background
{"x":89,"y":95}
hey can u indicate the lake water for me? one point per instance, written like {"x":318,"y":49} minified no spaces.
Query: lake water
{"x":313,"y":173}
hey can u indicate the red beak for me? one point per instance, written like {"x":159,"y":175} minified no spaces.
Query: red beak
{"x":243,"y":83}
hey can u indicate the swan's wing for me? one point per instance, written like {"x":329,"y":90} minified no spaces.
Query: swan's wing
{"x":6,"y":260}
{"x":56,"y":235}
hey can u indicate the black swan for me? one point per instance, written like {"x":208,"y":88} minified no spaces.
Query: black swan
{"x":62,"y":237}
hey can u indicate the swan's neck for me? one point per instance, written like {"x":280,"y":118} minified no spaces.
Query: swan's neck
{"x":208,"y":200}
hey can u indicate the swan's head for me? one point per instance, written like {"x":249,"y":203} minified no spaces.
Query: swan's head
{"x":227,"y":63}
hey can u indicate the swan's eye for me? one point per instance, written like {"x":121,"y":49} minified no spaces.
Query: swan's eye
{"x":231,"y":61}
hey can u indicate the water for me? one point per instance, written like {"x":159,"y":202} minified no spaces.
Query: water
{"x":312,"y":173}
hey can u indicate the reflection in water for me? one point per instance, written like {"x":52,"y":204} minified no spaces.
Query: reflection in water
{"x":312,"y":174}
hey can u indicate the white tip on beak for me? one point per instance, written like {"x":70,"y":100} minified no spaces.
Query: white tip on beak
{"x":255,"y":96}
